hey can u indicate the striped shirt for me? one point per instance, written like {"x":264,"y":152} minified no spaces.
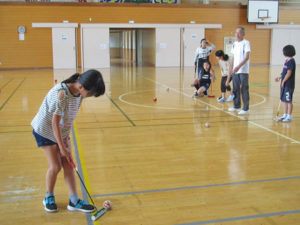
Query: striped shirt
{"x":203,"y":53}
{"x":67,"y":108}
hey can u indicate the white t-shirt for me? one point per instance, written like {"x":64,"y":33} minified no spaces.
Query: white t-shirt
{"x":239,"y":50}
{"x":224,"y":66}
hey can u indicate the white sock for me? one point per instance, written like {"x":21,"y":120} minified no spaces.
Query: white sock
{"x":288,"y":116}
{"x":284,"y":115}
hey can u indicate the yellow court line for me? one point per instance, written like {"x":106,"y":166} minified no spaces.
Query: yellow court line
{"x":83,"y":165}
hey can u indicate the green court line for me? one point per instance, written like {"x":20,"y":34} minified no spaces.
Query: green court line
{"x":4,"y":103}
{"x":259,"y":85}
{"x":155,"y":125}
{"x":4,"y":85}
{"x":118,"y":107}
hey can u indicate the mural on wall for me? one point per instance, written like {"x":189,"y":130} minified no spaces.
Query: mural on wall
{"x":141,"y":1}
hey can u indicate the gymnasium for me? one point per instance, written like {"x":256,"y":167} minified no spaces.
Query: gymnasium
{"x":159,"y":154}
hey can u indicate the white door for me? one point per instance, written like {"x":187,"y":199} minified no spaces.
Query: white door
{"x":64,"y":48}
{"x":281,"y":38}
{"x":95,"y":49}
{"x":167,"y":47}
{"x":191,"y":41}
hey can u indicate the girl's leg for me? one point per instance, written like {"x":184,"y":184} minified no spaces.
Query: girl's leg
{"x":69,"y":176}
{"x":285,"y":108}
{"x":68,"y":170}
{"x":53,"y":157}
{"x":201,"y":90}
{"x":223,"y":87}
{"x":289,"y":108}
{"x":54,"y":161}
{"x":75,"y":203}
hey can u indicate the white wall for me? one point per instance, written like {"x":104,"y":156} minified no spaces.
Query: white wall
{"x":280,"y":38}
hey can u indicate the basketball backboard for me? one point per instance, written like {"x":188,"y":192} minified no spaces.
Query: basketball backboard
{"x":263,"y":11}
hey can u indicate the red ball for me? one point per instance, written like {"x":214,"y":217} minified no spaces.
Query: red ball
{"x":154,"y":99}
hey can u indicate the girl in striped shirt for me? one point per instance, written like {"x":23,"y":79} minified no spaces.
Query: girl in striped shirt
{"x":51,"y":128}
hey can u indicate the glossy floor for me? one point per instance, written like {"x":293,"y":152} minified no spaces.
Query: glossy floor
{"x":156,"y":160}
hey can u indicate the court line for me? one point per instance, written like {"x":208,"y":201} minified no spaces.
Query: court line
{"x":152,"y":106}
{"x":81,"y":166}
{"x":1,"y":107}
{"x":3,"y":86}
{"x":294,"y":141}
{"x":174,"y":108}
{"x":118,"y":107}
{"x":198,"y":186}
{"x":259,"y":84}
{"x":242,"y":217}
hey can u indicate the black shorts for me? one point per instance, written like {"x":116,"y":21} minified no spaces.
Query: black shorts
{"x":286,"y":94}
{"x":223,"y":84}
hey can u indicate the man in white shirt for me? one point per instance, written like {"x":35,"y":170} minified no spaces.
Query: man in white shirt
{"x":239,"y":70}
{"x":202,"y":54}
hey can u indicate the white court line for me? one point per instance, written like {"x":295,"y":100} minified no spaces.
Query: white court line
{"x":150,"y":106}
{"x":293,"y":141}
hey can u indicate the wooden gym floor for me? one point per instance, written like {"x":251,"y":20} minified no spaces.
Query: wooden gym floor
{"x":156,"y":161}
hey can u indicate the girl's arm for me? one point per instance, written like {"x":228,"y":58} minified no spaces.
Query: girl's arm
{"x":57,"y":134}
{"x":287,"y":76}
{"x":212,"y":77}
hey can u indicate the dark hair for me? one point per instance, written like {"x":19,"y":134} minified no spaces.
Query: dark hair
{"x":203,"y":39}
{"x":220,"y":53}
{"x":289,"y":51}
{"x":206,"y":61}
{"x":91,"y":80}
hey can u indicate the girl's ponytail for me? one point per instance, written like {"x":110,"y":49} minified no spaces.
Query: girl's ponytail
{"x":72,"y":79}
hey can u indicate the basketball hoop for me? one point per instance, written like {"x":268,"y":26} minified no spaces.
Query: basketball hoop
{"x":263,"y":19}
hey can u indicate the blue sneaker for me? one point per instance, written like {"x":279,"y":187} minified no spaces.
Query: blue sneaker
{"x":230,"y":98}
{"x":50,"y":205}
{"x":81,"y":206}
{"x":222,"y":99}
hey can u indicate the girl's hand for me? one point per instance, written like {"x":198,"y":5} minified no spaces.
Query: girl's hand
{"x":67,"y":142}
{"x":227,"y":83}
{"x":65,"y":153}
{"x":277,"y":79}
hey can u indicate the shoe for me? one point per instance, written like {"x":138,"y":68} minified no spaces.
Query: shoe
{"x":282,"y":118}
{"x":195,"y":95}
{"x":81,"y":206}
{"x":232,"y":109}
{"x":222,"y":100}
{"x":50,"y":205}
{"x":243,"y":112}
{"x":287,"y":119}
{"x":230,"y":98}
